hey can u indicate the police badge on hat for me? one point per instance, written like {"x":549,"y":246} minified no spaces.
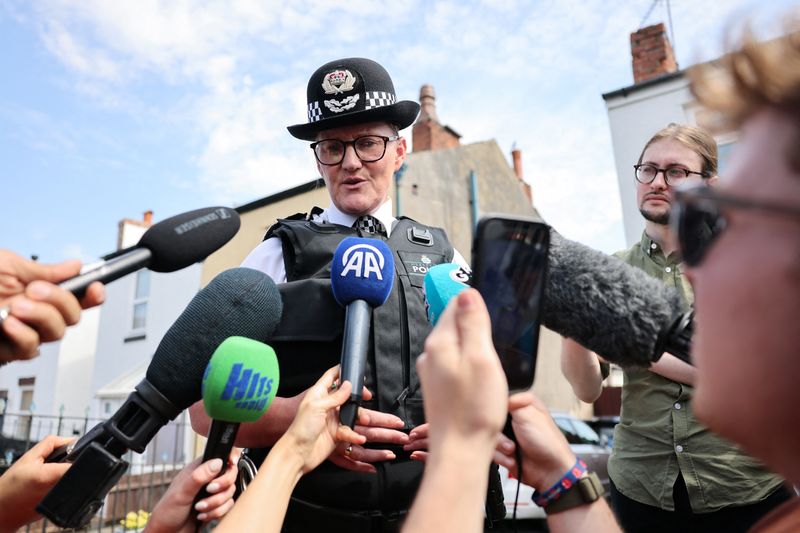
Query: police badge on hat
{"x":352,"y":91}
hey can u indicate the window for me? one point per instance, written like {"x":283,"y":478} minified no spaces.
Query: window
{"x":141,"y":294}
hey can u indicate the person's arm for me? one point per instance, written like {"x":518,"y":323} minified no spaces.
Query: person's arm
{"x":373,"y":425}
{"x":24,"y":485}
{"x":546,"y":457}
{"x":173,"y":513}
{"x":581,"y":367}
{"x":465,"y":403}
{"x":309,"y":440}
{"x":670,"y":367}
{"x":33,"y":309}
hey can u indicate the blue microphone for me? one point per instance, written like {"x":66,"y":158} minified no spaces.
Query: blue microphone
{"x":362,"y":275}
{"x":441,"y":284}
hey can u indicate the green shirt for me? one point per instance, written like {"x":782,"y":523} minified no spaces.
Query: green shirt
{"x":658,"y":435}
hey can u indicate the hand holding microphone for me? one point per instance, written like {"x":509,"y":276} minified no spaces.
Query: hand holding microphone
{"x":240,"y":301}
{"x":239,"y":384}
{"x":362,"y":275}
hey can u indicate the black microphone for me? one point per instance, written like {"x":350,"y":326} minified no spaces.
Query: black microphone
{"x":240,"y":301}
{"x":612,"y":308}
{"x":362,"y":275}
{"x":170,"y":245}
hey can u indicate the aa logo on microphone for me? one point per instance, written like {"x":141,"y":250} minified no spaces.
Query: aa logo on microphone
{"x":363,"y":260}
{"x":250,"y":390}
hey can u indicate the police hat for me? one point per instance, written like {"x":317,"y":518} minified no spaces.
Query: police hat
{"x":352,"y":91}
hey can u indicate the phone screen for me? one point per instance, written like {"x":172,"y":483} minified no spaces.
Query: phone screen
{"x":509,"y":262}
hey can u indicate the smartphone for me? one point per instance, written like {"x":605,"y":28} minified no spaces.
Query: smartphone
{"x":509,"y":262}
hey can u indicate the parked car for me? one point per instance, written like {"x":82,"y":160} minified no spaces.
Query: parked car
{"x":584,"y":442}
{"x":604,"y":426}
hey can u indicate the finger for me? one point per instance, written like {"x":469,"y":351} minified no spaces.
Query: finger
{"x":42,"y":317}
{"x":420,"y":444}
{"x":520,"y":400}
{"x":205,"y":474}
{"x":218,"y":512}
{"x":419,"y":432}
{"x":346,"y":434}
{"x":472,"y":321}
{"x":367,"y":455}
{"x":28,"y":271}
{"x":390,"y":436}
{"x":209,"y":504}
{"x":368,"y":417}
{"x":507,"y":461}
{"x":335,"y":398}
{"x":22,"y":341}
{"x":95,"y":295}
{"x":64,"y":301}
{"x":419,"y":456}
{"x":366,"y":393}
{"x":46,"y":446}
{"x":355,"y":466}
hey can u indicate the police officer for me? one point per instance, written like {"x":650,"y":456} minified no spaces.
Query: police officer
{"x":353,"y":124}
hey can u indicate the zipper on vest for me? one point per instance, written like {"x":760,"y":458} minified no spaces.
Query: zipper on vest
{"x":404,"y":350}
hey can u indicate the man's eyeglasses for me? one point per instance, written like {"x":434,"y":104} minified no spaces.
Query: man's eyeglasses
{"x":673,"y":176}
{"x":697,"y":218}
{"x":369,"y":148}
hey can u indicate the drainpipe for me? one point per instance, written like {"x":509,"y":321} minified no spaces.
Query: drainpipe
{"x":398,"y":175}
{"x":473,"y":198}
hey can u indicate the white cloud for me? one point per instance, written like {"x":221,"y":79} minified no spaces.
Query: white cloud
{"x":516,"y":70}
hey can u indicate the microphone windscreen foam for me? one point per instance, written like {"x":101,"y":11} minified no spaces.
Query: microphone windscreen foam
{"x":238,"y":302}
{"x":441,"y":284}
{"x":185,"y":239}
{"x":240,"y":380}
{"x":362,"y":269}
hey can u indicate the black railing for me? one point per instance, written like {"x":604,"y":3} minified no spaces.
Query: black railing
{"x":146,"y":480}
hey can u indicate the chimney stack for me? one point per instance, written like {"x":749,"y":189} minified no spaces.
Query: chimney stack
{"x":428,"y":133}
{"x":148,"y":218}
{"x":652,"y":53}
{"x":516,"y":157}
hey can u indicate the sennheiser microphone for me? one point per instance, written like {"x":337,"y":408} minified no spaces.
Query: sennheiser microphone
{"x":362,"y":275}
{"x":170,"y":245}
{"x":610,"y":307}
{"x":239,"y":385}
{"x":239,"y":301}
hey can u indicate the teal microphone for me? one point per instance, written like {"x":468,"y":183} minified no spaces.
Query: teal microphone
{"x":441,"y":284}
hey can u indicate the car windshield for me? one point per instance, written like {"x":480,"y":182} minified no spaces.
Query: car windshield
{"x":576,"y":431}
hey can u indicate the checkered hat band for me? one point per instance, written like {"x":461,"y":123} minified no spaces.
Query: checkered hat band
{"x":314,"y":112}
{"x":379,"y":99}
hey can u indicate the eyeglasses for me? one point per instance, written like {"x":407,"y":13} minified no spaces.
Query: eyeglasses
{"x":672,"y":175}
{"x":697,"y":218}
{"x":369,"y":148}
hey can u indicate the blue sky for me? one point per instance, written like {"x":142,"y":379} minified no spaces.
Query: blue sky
{"x":111,"y":108}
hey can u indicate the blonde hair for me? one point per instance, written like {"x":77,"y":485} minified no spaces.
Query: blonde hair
{"x":696,"y":139}
{"x":755,"y":77}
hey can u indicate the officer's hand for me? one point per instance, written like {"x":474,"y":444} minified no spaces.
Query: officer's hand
{"x":376,"y":427}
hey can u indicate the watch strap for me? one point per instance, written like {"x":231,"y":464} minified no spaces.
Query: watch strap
{"x":586,"y":490}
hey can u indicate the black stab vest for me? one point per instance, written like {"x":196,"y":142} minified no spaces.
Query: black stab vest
{"x":308,"y":340}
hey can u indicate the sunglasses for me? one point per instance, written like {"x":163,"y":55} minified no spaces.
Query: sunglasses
{"x":697,"y":218}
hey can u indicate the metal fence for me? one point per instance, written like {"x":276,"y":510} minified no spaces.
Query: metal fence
{"x":145,"y":481}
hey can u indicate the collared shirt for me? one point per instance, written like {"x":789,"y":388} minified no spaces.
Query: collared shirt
{"x":268,"y":256}
{"x":658,"y":434}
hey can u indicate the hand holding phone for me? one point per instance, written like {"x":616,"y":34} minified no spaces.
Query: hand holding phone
{"x":509,"y":260}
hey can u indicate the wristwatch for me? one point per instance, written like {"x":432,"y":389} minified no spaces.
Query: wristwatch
{"x":584,"y":491}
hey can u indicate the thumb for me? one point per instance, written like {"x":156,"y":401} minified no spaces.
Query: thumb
{"x":28,"y":271}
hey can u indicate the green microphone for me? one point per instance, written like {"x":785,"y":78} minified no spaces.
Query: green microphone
{"x":239,"y":384}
